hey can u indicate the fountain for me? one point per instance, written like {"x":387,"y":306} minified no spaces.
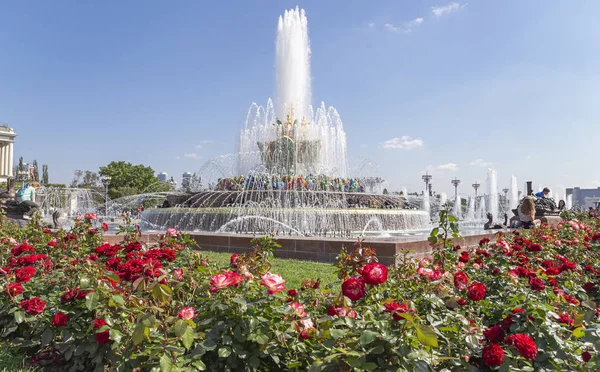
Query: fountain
{"x":492,"y":189}
{"x":471,"y":210}
{"x":514,"y":194}
{"x":458,"y":207}
{"x":290,"y":174}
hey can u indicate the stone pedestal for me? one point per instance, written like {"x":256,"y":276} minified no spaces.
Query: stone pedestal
{"x":552,"y":221}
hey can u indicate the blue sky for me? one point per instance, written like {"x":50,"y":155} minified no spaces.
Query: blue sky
{"x":510,"y":84}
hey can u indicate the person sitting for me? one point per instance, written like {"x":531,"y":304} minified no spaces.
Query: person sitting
{"x":527,"y":213}
{"x":561,"y":205}
{"x":543,"y":194}
{"x":26,"y":198}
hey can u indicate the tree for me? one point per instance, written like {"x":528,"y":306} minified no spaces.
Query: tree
{"x":385,"y":191}
{"x":90,"y":179}
{"x":77,"y":174}
{"x":45,"y":174}
{"x":128,"y":179}
{"x":36,"y":171}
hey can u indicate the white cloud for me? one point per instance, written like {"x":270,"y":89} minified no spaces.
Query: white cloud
{"x":178,"y":157}
{"x":364,"y":146}
{"x":404,"y":142}
{"x":480,"y":163}
{"x":371,"y":25}
{"x":448,"y":167}
{"x":191,"y":156}
{"x":202,"y":143}
{"x":405,"y":27}
{"x":440,"y":11}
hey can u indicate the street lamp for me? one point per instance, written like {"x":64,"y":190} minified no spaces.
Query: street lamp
{"x":455,"y":183}
{"x":427,"y":178}
{"x":476,"y":186}
{"x":106,"y":182}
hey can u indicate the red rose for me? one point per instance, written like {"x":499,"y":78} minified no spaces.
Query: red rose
{"x":524,"y":345}
{"x":536,"y":284}
{"x":589,"y":287}
{"x":233,"y":258}
{"x":98,"y":323}
{"x":586,"y":356}
{"x":353,"y":288}
{"x":461,"y":280}
{"x":483,"y":241}
{"x":60,"y":319}
{"x":24,"y":274}
{"x":104,"y":226}
{"x":68,"y":296}
{"x":568,"y":266}
{"x":374,"y":273}
{"x":496,"y":271}
{"x":493,"y":355}
{"x":292,"y":293}
{"x":33,"y":306}
{"x":102,"y":337}
{"x":178,"y":274}
{"x":396,"y":309}
{"x":464,"y":257}
{"x":476,"y":291}
{"x":223,"y":280}
{"x":534,"y":247}
{"x":494,"y":334}
{"x":566,"y":319}
{"x":461,"y":302}
{"x":14,"y":289}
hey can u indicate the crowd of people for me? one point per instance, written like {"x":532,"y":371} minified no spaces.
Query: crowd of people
{"x":310,"y":182}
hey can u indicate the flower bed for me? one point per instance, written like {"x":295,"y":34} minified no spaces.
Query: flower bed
{"x":523,"y":302}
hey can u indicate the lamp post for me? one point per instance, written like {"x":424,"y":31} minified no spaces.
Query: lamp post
{"x":476,"y":186}
{"x":106,"y":182}
{"x":455,"y":183}
{"x":427,"y":178}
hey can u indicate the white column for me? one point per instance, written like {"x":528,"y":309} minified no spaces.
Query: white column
{"x":10,"y":159}
{"x":6,"y":161}
{"x":2,"y":157}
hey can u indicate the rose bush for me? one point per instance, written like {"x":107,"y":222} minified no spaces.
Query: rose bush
{"x":523,"y":301}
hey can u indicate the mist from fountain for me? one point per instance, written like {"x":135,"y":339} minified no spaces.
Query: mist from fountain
{"x":458,"y":207}
{"x":514,"y":193}
{"x":471,"y":210}
{"x":569,"y":201}
{"x":482,"y":208}
{"x":492,"y":189}
{"x":443,"y":198}
{"x":425,"y":204}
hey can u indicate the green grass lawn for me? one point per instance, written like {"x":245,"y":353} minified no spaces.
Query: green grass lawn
{"x":293,"y":271}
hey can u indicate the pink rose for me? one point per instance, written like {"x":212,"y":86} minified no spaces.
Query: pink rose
{"x":187,"y":313}
{"x":274,"y":282}
{"x":178,"y":274}
{"x":172,"y":232}
{"x":298,"y":309}
{"x":223,"y":280}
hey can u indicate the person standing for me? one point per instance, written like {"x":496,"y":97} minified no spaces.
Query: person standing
{"x":543,"y":194}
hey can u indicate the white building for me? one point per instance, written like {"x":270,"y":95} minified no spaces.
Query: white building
{"x":186,"y":178}
{"x":163,"y":176}
{"x":7,"y":138}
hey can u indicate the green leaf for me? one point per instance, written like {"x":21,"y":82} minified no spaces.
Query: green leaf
{"x":426,"y":335}
{"x":188,"y":338}
{"x":19,"y":317}
{"x":138,"y":334}
{"x":165,"y":363}
{"x":367,"y":337}
{"x":118,"y":299}
{"x":224,"y":352}
{"x":579,"y":319}
{"x":337,"y":333}
{"x":84,"y":283}
{"x":208,"y":344}
{"x":262,"y":339}
{"x":435,"y":231}
{"x":294,"y":365}
{"x":432,"y":239}
{"x":407,"y":316}
{"x":180,"y":327}
{"x":47,"y":336}
{"x":91,"y":300}
{"x":115,"y":335}
{"x":578,"y":332}
{"x":199,"y":365}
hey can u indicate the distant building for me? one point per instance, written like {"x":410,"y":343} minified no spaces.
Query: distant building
{"x":162,"y":176}
{"x":584,"y":197}
{"x":186,"y":179}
